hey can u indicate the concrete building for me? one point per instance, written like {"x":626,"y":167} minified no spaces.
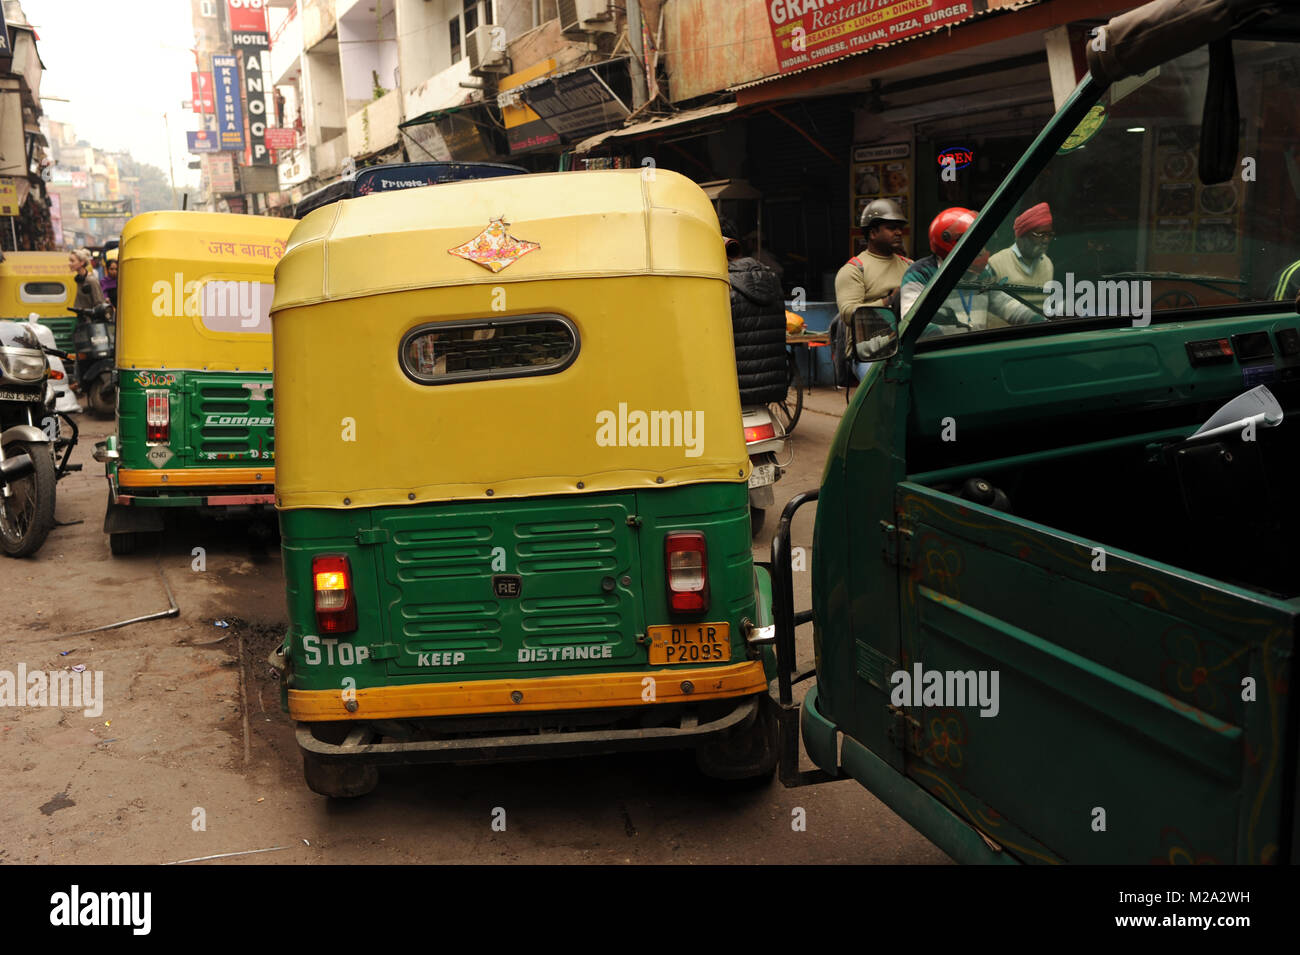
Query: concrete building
{"x":24,"y":200}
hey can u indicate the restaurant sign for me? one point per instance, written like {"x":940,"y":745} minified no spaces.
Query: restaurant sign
{"x":811,"y":32}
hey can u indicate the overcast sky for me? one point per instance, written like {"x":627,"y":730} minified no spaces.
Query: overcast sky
{"x":122,"y":65}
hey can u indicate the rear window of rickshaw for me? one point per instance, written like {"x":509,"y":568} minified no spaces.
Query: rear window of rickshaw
{"x":1118,"y":224}
{"x":444,"y":353}
{"x":44,"y":292}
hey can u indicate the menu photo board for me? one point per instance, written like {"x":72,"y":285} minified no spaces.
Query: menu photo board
{"x":1195,"y":229}
{"x":881,"y":172}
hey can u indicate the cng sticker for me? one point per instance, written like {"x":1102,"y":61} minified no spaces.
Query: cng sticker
{"x":160,"y":455}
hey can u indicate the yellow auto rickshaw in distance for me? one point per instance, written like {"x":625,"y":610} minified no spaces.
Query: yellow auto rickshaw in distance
{"x":195,"y":425}
{"x":512,"y":480}
{"x":40,"y":282}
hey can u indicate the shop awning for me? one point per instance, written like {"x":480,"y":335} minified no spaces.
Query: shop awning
{"x":568,"y":107}
{"x":460,"y":132}
{"x":653,"y":126}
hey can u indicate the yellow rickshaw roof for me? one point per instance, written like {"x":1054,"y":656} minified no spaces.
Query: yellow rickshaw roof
{"x":566,"y":225}
{"x":168,"y":261}
{"x":178,"y":235}
{"x":35,"y":263}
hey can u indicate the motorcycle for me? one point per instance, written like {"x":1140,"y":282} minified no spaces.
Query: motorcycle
{"x":31,"y":439}
{"x":94,"y":341}
{"x":764,"y":439}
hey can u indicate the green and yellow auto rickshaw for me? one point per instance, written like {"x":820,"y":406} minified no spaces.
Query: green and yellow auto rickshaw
{"x":1056,"y":585}
{"x":512,"y":480}
{"x":40,"y":283}
{"x":195,"y":418}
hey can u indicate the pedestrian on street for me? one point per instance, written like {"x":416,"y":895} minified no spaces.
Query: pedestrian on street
{"x":757,"y":323}
{"x":872,"y":277}
{"x":1025,"y":262}
{"x":89,"y":294}
{"x":967,"y":308}
{"x":109,"y":286}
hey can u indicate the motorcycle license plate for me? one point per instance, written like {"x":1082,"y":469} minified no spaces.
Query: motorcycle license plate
{"x":690,"y":643}
{"x":7,"y":395}
{"x":762,"y":475}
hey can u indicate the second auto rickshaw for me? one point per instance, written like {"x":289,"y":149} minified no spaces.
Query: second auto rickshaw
{"x":512,"y":482}
{"x":195,"y":419}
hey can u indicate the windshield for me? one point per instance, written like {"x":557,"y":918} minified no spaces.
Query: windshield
{"x":1119,"y":224}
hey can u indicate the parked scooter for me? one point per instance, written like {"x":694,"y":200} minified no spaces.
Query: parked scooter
{"x":94,"y":341}
{"x":31,"y":438}
{"x":764,"y":440}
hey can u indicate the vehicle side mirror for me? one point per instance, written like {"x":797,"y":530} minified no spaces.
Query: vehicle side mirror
{"x":875,"y":336}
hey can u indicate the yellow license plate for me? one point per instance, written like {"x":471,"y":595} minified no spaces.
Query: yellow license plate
{"x":690,"y":643}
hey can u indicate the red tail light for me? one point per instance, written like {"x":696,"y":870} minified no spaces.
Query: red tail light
{"x":157,"y":416}
{"x":686,"y":565}
{"x":56,"y":374}
{"x":763,"y":432}
{"x":336,"y":604}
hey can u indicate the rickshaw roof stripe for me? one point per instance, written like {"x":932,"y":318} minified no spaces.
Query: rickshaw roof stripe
{"x":605,"y":223}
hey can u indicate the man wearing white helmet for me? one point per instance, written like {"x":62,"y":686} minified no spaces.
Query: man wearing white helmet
{"x":873,"y":276}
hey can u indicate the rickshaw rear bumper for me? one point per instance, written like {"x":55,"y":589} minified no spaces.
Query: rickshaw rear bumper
{"x":361,"y":743}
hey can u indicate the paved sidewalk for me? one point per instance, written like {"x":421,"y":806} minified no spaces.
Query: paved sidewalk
{"x":824,"y":400}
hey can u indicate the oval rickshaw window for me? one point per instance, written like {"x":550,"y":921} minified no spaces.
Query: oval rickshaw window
{"x":44,"y":292}
{"x":443,"y":353}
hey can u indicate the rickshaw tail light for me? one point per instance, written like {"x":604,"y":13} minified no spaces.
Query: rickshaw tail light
{"x":336,"y":606}
{"x":764,"y":432}
{"x":157,"y":416}
{"x":686,"y":564}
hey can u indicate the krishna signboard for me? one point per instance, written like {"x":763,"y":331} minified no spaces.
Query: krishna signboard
{"x":811,"y":32}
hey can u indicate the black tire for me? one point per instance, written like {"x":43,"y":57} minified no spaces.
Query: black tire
{"x":747,"y":756}
{"x":123,"y":544}
{"x":756,"y":515}
{"x":333,"y":777}
{"x":788,"y":409}
{"x":27,"y":515}
{"x":338,"y":779}
{"x":101,"y":396}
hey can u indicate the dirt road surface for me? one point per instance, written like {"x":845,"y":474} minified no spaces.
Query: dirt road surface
{"x":191,"y":755}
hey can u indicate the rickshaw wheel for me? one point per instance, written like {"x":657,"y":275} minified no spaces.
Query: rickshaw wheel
{"x":337,"y":778}
{"x":756,"y":515}
{"x":100,"y":396}
{"x":749,"y":755}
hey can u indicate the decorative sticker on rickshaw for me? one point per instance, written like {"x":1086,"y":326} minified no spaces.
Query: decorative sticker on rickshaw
{"x":255,"y":250}
{"x":160,"y":455}
{"x":495,"y":248}
{"x":151,"y":379}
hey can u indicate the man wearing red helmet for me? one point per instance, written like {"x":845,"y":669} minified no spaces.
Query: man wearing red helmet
{"x":1025,"y":264}
{"x":967,"y":308}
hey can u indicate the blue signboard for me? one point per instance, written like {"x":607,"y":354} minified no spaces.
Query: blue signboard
{"x":230,"y":108}
{"x":202,"y":141}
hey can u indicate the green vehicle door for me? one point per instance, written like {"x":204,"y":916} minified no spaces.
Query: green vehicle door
{"x":1065,"y":626}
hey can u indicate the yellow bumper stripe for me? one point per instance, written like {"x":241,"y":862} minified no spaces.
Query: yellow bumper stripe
{"x":195,"y":477}
{"x":586,"y":692}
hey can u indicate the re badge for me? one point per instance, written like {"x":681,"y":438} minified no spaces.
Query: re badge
{"x":507,"y":585}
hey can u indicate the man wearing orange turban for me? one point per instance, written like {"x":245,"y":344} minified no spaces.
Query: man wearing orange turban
{"x":1025,"y":263}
